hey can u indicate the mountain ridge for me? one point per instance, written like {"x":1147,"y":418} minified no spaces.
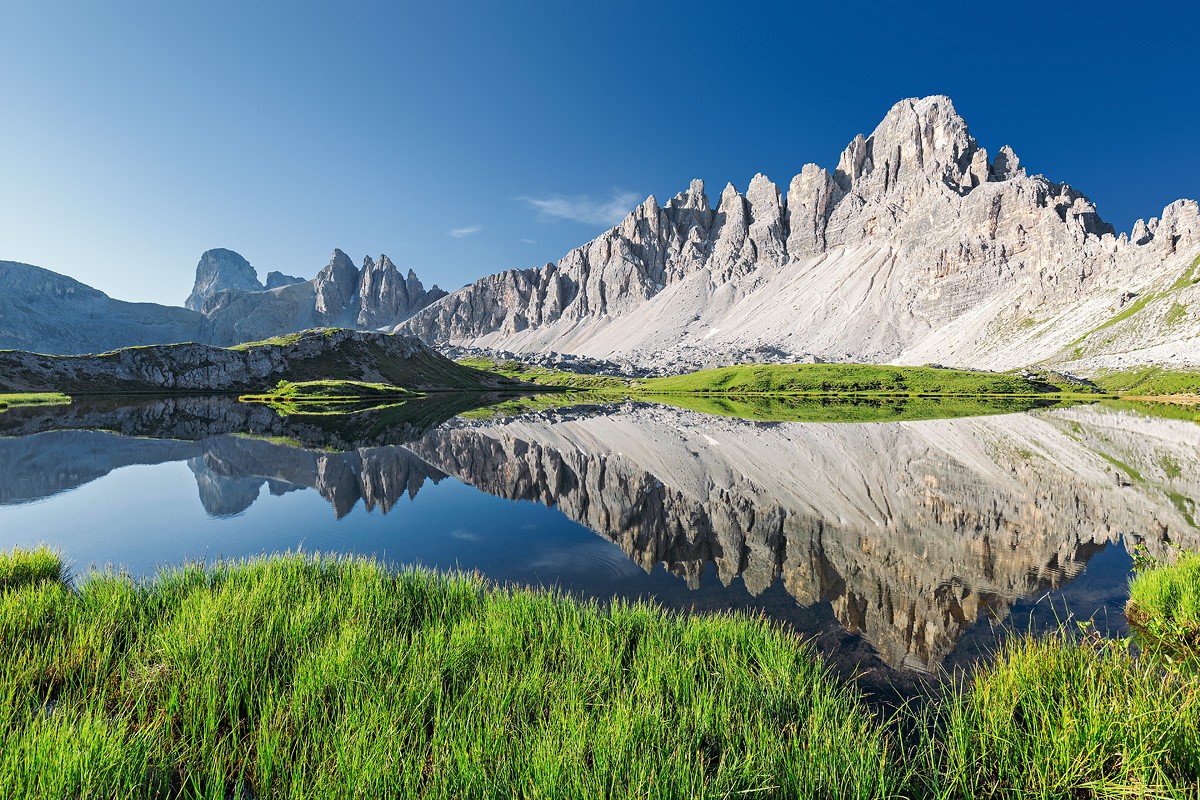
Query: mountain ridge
{"x":47,"y":312}
{"x":917,"y":248}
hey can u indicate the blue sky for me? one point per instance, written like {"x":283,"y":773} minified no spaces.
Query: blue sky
{"x":465,"y":138}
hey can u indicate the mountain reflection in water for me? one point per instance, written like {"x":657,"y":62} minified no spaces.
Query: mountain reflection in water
{"x":906,"y":533}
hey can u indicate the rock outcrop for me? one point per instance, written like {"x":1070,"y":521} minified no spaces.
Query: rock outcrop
{"x":919,"y":247}
{"x":277,"y":280}
{"x":313,"y":355}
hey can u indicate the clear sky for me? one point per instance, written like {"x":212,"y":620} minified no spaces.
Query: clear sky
{"x":466,"y":138}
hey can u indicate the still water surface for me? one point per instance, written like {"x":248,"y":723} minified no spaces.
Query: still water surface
{"x":898,"y":547}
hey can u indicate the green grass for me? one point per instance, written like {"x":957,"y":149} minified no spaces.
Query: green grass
{"x":1066,"y":717}
{"x":544,"y":376}
{"x":20,"y":568}
{"x":33,"y":399}
{"x":1181,"y":411}
{"x":1133,"y":474}
{"x":1149,"y":381}
{"x":300,"y":677}
{"x":767,"y":408}
{"x":330,"y":391}
{"x":1175,"y":314}
{"x":329,"y":397}
{"x":281,"y":441}
{"x":870,"y":379}
{"x":527,"y":404}
{"x":282,"y":341}
{"x":1164,"y":606}
{"x":316,"y":677}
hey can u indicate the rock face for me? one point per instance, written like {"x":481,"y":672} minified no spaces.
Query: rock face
{"x":318,"y":354}
{"x":919,"y":247}
{"x":51,"y":313}
{"x":377,"y":296}
{"x":220,"y":269}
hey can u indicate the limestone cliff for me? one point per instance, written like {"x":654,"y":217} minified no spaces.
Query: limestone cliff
{"x":918,"y":247}
{"x":220,"y":269}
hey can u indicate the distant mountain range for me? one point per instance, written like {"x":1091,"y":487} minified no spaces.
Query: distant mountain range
{"x":45,"y":312}
{"x":919,"y":247}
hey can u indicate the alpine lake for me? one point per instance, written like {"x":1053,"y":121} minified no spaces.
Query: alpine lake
{"x":904,"y":539}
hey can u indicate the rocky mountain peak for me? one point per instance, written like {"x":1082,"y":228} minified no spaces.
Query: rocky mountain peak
{"x":919,"y":141}
{"x":220,"y":269}
{"x":1006,"y":165}
{"x":335,"y":286}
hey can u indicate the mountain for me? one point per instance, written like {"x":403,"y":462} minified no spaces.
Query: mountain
{"x":220,"y":269}
{"x":340,"y":295}
{"x":312,"y":355}
{"x":45,"y":312}
{"x":918,"y":247}
{"x":51,"y":313}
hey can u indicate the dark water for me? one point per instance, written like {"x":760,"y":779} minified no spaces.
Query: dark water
{"x":901,"y":548}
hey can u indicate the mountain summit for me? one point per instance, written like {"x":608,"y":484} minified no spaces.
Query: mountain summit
{"x":918,"y":247}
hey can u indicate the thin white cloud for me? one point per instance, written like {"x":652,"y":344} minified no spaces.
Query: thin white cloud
{"x":585,"y":208}
{"x":529,"y":241}
{"x":462,"y":233}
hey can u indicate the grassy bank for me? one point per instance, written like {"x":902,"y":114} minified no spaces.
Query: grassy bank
{"x":300,"y":677}
{"x":544,"y":376}
{"x":800,"y":408}
{"x":843,"y":379}
{"x":1164,"y":607}
{"x":789,"y":379}
{"x":1150,"y":381}
{"x":296,"y":678}
{"x":1066,"y":716}
{"x":33,"y":399}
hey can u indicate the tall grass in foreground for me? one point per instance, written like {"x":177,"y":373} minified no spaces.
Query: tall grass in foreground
{"x":1164,"y":607}
{"x":299,"y":677}
{"x":1063,"y":718}
{"x":307,"y":677}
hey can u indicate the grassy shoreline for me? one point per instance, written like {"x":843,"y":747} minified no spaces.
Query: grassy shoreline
{"x":298,"y":676}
